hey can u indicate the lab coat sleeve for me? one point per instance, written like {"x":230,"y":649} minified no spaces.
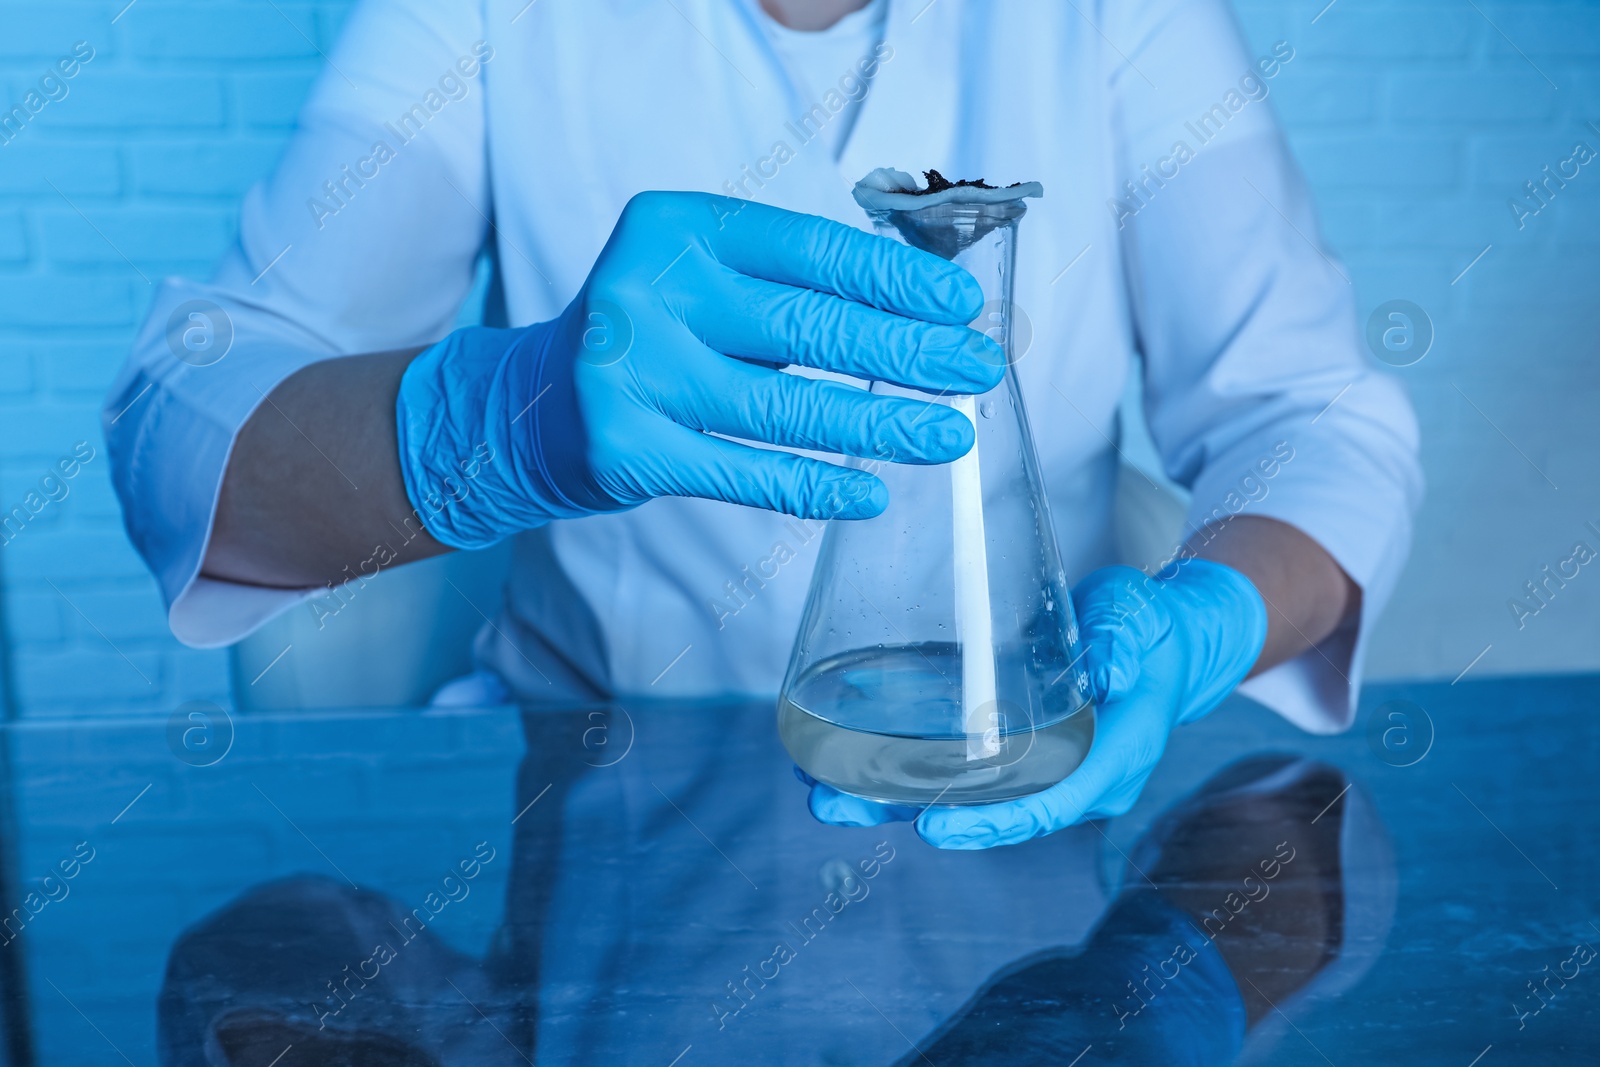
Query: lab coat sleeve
{"x":1258,"y":391}
{"x":363,"y":239}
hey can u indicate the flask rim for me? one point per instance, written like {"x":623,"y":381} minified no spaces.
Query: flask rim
{"x":953,"y":213}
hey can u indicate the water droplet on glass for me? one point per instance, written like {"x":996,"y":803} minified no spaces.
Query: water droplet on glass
{"x":986,"y":409}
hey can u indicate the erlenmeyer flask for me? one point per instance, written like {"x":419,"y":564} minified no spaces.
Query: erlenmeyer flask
{"x":937,"y":660}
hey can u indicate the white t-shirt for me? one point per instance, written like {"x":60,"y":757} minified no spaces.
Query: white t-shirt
{"x":822,"y":60}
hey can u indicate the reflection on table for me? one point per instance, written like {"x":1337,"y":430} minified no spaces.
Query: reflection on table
{"x":642,"y":884}
{"x":666,"y":897}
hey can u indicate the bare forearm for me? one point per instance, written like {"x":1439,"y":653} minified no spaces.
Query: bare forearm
{"x":1308,"y":595}
{"x":313,"y":485}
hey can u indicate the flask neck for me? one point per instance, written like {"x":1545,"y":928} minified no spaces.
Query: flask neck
{"x":982,"y":239}
{"x":951,"y":231}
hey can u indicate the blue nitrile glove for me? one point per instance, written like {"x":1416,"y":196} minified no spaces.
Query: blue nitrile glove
{"x":1160,"y":651}
{"x":616,"y":401}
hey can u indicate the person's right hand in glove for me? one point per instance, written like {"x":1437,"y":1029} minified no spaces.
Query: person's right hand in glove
{"x":669,"y":349}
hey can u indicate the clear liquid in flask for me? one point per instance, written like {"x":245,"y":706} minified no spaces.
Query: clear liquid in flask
{"x":858,"y":722}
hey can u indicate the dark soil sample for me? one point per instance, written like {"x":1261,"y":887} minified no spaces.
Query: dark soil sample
{"x":938,"y":183}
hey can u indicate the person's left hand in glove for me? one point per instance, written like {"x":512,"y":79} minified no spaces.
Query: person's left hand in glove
{"x":1160,"y":652}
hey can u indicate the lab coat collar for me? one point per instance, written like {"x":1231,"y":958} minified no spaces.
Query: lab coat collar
{"x":921,"y":79}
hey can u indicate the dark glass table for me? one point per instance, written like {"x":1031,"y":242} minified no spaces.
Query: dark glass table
{"x":642,"y":884}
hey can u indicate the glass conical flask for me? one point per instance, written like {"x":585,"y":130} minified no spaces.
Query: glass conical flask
{"x":937,"y":660}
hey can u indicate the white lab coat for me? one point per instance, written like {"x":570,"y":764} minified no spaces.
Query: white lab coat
{"x":1245,"y":324}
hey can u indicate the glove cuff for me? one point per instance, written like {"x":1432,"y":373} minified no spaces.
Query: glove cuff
{"x":1229,"y":620}
{"x":468,"y":449}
